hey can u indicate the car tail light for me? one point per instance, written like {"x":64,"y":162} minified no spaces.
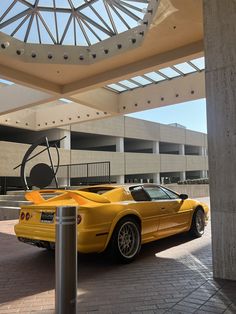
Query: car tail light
{"x":79,"y":218}
{"x":27,"y":217}
{"x":22,"y":216}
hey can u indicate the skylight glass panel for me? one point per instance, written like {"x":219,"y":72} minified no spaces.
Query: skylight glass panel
{"x":117,"y":88}
{"x":65,"y":100}
{"x":155,"y":76}
{"x":141,"y":80}
{"x":185,"y":68}
{"x":169,"y":72}
{"x":199,"y":62}
{"x":100,"y":19}
{"x":6,"y":82}
{"x":129,"y":84}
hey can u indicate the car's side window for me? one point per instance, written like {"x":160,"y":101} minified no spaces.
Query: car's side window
{"x":156,"y":193}
{"x":171,"y":194}
{"x":139,"y":195}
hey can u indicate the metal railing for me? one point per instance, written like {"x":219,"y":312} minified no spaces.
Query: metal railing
{"x":85,"y":173}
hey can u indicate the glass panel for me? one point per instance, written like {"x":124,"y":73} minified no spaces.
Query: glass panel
{"x":199,"y":62}
{"x":185,"y":68}
{"x":171,"y":194}
{"x":155,"y":76}
{"x":128,"y":84}
{"x":156,"y":193}
{"x":117,"y":88}
{"x":6,"y":82}
{"x":141,"y":80}
{"x":169,"y":72}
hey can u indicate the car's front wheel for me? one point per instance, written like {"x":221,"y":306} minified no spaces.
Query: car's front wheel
{"x":198,"y":223}
{"x":126,"y":240}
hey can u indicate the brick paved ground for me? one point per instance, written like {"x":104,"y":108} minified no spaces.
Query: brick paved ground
{"x":172,"y":275}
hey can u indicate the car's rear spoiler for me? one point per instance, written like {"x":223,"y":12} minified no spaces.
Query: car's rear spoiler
{"x":81,"y":197}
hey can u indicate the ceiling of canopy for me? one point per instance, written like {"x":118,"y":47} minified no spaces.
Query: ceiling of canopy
{"x":171,"y":32}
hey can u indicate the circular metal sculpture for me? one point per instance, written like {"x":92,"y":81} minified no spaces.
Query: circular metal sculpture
{"x":41,"y":175}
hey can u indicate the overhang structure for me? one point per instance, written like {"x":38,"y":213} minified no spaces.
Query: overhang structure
{"x":64,"y":62}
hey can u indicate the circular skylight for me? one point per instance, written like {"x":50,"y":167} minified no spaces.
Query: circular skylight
{"x":69,"y":22}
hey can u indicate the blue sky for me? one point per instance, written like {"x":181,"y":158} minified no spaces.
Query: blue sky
{"x":190,"y":114}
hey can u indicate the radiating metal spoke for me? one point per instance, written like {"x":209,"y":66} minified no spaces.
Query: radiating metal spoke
{"x":20,"y":25}
{"x":66,"y":29}
{"x":15,"y":18}
{"x":8,"y":10}
{"x":30,"y":22}
{"x":129,"y":13}
{"x":55,"y":19}
{"x":46,"y":27}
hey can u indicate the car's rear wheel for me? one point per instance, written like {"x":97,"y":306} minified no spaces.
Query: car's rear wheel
{"x":126,"y":240}
{"x":198,"y":223}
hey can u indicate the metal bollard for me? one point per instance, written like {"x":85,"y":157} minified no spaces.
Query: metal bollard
{"x":66,"y":260}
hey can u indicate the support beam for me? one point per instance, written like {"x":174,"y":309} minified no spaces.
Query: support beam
{"x":60,"y":114}
{"x":16,"y":97}
{"x":100,"y":99}
{"x":170,"y":92}
{"x":168,"y":58}
{"x":220,"y":52}
{"x":31,"y":81}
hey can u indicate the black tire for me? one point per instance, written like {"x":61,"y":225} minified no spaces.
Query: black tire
{"x":125,"y":242}
{"x":198,"y":223}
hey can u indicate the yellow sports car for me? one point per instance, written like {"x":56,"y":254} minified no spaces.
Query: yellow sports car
{"x":115,"y":218}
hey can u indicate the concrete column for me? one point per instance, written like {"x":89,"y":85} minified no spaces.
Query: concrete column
{"x":181,"y":149}
{"x":120,"y":144}
{"x":156,"y":178}
{"x":203,"y":173}
{"x":66,"y":143}
{"x":202,"y":151}
{"x":155,"y":148}
{"x":120,"y":179}
{"x":220,"y":54}
{"x":182,"y":176}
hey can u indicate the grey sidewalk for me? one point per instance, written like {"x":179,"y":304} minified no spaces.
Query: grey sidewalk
{"x":172,"y":275}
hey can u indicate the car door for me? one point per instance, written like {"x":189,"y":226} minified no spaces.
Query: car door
{"x":169,"y":209}
{"x":148,"y":211}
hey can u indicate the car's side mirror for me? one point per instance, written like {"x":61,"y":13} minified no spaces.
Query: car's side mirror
{"x":183,"y":196}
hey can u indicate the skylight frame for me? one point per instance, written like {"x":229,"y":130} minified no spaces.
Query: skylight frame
{"x":33,"y":15}
{"x":159,"y":73}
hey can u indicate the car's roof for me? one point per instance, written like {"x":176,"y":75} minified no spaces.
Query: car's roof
{"x":126,"y":186}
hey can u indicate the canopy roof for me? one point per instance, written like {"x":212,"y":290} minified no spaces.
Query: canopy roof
{"x":59,"y":50}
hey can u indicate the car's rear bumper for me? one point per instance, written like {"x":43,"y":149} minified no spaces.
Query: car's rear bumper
{"x":88,"y":240}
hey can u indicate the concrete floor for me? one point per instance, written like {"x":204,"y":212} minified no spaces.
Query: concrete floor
{"x":172,"y":275}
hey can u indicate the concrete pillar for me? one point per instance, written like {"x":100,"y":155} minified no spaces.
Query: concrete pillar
{"x":182,"y":176}
{"x":120,"y":179}
{"x":202,"y":151}
{"x":203,"y":173}
{"x":220,"y":54}
{"x":120,"y":144}
{"x":156,"y":178}
{"x":181,"y":149}
{"x":65,"y":144}
{"x":155,"y":148}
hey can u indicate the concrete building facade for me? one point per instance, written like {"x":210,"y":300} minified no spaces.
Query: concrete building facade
{"x":138,"y":150}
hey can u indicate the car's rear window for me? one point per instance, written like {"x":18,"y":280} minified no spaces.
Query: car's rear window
{"x":97,"y":190}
